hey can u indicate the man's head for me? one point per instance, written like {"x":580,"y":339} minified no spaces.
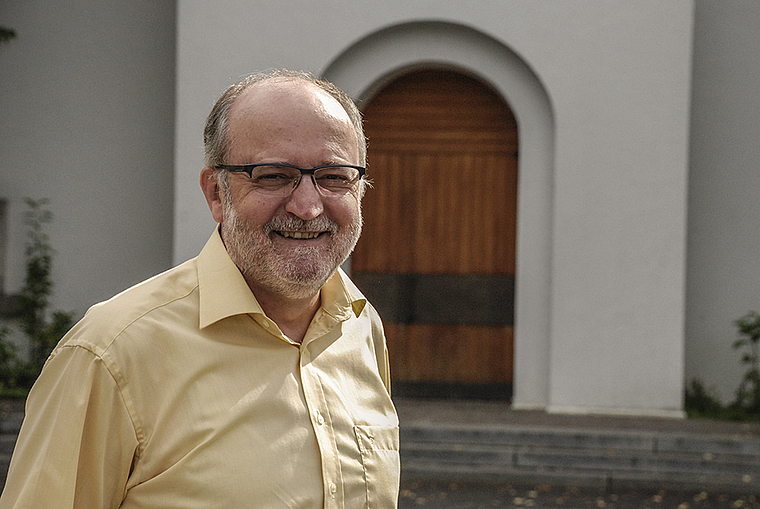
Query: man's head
{"x":291,"y":241}
{"x":217,"y":124}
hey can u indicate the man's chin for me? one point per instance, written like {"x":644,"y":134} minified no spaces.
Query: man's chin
{"x":300,"y":287}
{"x":299,"y":276}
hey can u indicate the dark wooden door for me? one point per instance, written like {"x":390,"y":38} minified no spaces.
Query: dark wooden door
{"x":437,"y":255}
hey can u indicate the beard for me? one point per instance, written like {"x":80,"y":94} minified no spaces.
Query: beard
{"x":295,"y":273}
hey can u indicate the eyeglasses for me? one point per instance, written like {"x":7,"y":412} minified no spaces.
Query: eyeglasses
{"x":280,"y":179}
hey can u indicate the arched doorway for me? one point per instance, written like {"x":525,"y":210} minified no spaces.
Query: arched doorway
{"x":437,"y":256}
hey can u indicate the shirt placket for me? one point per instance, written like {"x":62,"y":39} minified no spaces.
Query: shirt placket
{"x":324,"y":431}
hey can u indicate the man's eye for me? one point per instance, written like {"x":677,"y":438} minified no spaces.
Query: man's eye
{"x":335,"y":177}
{"x":273,"y":176}
{"x":272,"y":179}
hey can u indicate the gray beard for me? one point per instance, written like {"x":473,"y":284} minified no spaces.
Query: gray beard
{"x":298,"y":273}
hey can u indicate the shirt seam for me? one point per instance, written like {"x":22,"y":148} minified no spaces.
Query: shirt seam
{"x":118,"y":380}
{"x":111,"y":365}
{"x":143,"y":315}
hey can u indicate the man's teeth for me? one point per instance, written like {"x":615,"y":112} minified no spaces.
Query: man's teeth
{"x":300,"y":235}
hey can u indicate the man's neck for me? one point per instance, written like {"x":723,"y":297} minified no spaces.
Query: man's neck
{"x":292,"y":316}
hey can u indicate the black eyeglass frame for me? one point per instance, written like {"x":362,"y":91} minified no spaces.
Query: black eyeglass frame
{"x":248,"y":168}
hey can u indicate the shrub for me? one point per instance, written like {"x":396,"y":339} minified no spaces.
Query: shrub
{"x":748,"y":393}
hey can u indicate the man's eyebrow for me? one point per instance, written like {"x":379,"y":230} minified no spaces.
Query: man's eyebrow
{"x":332,"y":162}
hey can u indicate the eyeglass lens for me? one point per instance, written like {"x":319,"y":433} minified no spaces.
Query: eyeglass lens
{"x":281,"y":180}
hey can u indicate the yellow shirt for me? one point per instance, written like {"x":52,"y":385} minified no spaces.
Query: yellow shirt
{"x":181,"y":393}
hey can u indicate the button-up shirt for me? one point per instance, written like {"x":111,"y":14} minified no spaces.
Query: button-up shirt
{"x":181,"y":393}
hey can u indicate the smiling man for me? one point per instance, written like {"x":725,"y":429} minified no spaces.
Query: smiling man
{"x":255,"y":375}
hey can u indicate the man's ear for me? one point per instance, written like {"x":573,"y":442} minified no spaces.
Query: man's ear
{"x":212,"y":192}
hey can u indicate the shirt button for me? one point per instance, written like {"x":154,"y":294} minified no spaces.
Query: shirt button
{"x":320,"y":419}
{"x":333,"y":487}
{"x":266,"y":323}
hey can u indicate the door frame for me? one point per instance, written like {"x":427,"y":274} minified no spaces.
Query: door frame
{"x":366,"y":65}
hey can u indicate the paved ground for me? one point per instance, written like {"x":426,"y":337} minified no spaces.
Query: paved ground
{"x":464,"y":495}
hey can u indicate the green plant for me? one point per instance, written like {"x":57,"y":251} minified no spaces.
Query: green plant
{"x":6,"y":34}
{"x":748,"y":393}
{"x":42,"y":328}
{"x":8,"y":360}
{"x":699,"y":402}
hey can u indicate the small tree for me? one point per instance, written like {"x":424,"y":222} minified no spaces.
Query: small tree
{"x":42,"y":330}
{"x":748,"y":394}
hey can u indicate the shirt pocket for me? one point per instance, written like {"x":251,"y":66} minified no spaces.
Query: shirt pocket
{"x":379,"y":448}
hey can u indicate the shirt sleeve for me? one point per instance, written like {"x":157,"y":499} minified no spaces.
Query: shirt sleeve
{"x":77,"y":443}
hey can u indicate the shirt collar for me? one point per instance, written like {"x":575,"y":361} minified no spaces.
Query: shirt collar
{"x":224,"y":292}
{"x":340,"y":297}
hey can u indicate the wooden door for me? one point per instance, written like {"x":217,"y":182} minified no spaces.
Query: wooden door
{"x":437,"y":255}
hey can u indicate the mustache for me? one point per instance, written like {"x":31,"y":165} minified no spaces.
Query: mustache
{"x":289,"y":223}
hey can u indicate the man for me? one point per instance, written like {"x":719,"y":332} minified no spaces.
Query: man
{"x":254,"y":375}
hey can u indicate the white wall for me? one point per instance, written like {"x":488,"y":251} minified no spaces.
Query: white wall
{"x":87,"y":120}
{"x":724,"y":209}
{"x":617,"y":74}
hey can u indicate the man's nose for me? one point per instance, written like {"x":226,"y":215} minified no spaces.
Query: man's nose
{"x":305,"y":200}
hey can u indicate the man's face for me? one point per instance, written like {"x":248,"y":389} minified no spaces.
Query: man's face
{"x":289,"y":245}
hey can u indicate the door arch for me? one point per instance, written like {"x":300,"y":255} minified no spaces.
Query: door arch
{"x":437,"y":255}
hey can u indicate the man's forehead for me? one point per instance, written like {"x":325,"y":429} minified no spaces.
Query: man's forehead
{"x":273,"y":95}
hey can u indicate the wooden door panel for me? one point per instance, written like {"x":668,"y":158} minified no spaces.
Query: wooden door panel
{"x":463,"y":215}
{"x":442,"y":212}
{"x":458,"y":215}
{"x":450,"y":353}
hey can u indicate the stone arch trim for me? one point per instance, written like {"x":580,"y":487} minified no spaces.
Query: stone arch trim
{"x":368,"y":64}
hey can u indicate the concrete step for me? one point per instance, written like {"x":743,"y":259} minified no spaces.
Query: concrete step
{"x":582,"y":457}
{"x":737,"y":444}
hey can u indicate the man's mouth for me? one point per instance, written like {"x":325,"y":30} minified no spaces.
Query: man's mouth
{"x":299,"y":235}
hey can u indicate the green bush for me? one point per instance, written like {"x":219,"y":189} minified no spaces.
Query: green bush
{"x":748,"y":393}
{"x":700,"y":403}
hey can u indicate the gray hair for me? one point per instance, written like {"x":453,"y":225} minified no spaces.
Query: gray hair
{"x":215,"y":134}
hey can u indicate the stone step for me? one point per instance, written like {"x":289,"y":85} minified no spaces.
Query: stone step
{"x":585,"y":459}
{"x":581,"y":457}
{"x":585,"y":479}
{"x":584,"y":439}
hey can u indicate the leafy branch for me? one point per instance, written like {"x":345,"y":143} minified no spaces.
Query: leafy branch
{"x":6,"y":34}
